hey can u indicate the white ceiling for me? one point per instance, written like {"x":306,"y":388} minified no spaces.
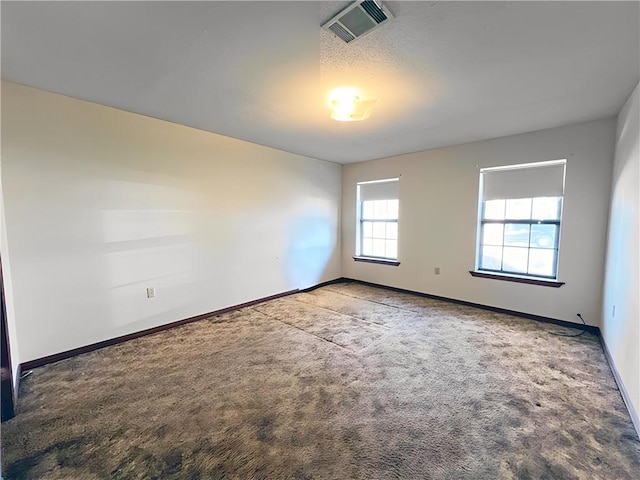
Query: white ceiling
{"x":443,"y":73}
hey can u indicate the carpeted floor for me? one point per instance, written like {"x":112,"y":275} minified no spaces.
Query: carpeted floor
{"x":344,"y":382}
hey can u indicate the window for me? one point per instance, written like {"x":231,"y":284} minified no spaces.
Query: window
{"x":519,"y":219}
{"x":377,"y":228}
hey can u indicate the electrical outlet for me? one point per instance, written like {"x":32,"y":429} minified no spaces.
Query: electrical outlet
{"x":436,"y":270}
{"x":151,"y":292}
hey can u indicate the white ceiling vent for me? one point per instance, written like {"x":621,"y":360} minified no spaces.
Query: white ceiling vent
{"x":358,"y":19}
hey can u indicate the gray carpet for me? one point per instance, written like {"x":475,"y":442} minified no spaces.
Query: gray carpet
{"x":344,"y":382}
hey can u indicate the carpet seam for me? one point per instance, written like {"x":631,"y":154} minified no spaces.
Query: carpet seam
{"x":305,"y":331}
{"x":345,"y":314}
{"x":373,"y":301}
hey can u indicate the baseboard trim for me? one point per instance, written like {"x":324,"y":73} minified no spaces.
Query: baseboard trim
{"x":635,"y":419}
{"x":530,"y":316}
{"x":56,"y":357}
{"x":39,"y":362}
{"x":324,"y":284}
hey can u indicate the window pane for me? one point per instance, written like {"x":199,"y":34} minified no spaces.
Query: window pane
{"x":392,"y":209}
{"x":379,"y":209}
{"x":378,"y":248}
{"x":392,"y":230}
{"x":490,"y":257}
{"x":367,"y":229}
{"x":519,"y":209}
{"x":514,"y":259}
{"x":494,"y":210}
{"x":546,"y":208}
{"x":541,"y":262}
{"x":378,"y":230}
{"x":544,"y":236}
{"x":492,"y":234}
{"x":367,"y":247}
{"x":392,"y":249}
{"x":516,"y":235}
{"x":367,"y":209}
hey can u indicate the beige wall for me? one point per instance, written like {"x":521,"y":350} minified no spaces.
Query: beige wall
{"x":101,"y":204}
{"x":621,"y":315}
{"x":438,"y":214}
{"x":8,"y":289}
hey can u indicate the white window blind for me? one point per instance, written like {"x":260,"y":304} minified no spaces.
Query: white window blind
{"x":379,"y":190}
{"x":545,"y":179}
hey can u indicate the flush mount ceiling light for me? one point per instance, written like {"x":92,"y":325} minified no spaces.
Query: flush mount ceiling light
{"x":358,"y":19}
{"x":347,"y":106}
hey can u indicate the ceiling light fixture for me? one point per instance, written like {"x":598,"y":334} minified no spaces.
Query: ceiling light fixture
{"x":347,"y":106}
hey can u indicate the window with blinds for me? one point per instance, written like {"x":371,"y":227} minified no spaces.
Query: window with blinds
{"x":519,"y":219}
{"x":377,"y":226}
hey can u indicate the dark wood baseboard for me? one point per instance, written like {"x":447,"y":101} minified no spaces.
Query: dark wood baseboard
{"x":56,"y":357}
{"x":530,"y":316}
{"x":324,"y":284}
{"x":31,"y":364}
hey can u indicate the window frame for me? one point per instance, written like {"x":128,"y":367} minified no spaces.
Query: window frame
{"x":376,"y":220}
{"x":530,"y":223}
{"x":481,"y":222}
{"x":360,"y":221}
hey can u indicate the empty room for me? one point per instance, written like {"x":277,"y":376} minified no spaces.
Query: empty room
{"x":320,"y":240}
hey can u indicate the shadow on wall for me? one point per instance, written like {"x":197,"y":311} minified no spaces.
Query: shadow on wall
{"x":623,"y":238}
{"x":312,"y":244}
{"x":200,"y":258}
{"x":149,"y":248}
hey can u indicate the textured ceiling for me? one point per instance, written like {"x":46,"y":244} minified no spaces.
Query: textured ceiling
{"x":443,"y":73}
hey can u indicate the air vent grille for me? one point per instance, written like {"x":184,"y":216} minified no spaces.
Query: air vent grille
{"x":341,"y":32}
{"x":374,"y":11}
{"x":358,"y":19}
